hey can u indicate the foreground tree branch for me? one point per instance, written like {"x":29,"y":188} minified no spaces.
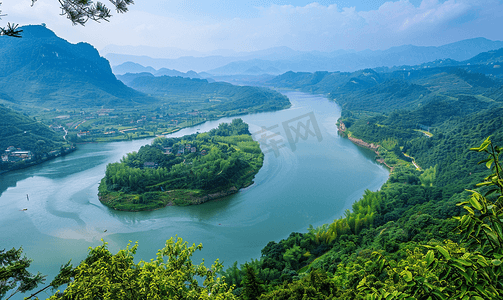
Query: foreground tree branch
{"x":77,"y":11}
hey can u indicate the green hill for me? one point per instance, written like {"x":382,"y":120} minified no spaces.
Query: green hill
{"x":216,"y":96}
{"x":27,"y":134}
{"x":41,"y":69}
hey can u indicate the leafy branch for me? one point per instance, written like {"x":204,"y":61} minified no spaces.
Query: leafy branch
{"x":77,"y":11}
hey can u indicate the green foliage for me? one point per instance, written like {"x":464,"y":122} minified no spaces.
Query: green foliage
{"x":252,"y":287}
{"x":14,"y":274}
{"x":171,"y":275}
{"x":219,"y":97}
{"x":23,"y":132}
{"x":428,"y":176}
{"x":225,"y":160}
{"x":472,"y":270}
{"x":79,"y":12}
{"x":317,"y":285}
{"x":402,"y":258}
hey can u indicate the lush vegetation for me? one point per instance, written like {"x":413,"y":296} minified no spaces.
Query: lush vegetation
{"x":220,"y":96}
{"x":22,"y":132}
{"x":403,"y":241}
{"x":396,"y":243}
{"x":181,"y":171}
{"x":433,"y":231}
{"x":103,"y":275}
{"x":72,"y":89}
{"x":384,"y":249}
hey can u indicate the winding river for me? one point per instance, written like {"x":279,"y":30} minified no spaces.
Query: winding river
{"x":310,"y":176}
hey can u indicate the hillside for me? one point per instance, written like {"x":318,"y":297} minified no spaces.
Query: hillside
{"x":41,"y":69}
{"x":27,"y":134}
{"x":217,"y":96}
{"x":384,"y":90}
{"x":421,"y":124}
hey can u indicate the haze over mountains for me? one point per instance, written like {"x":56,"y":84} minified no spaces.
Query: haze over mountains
{"x":279,"y":60}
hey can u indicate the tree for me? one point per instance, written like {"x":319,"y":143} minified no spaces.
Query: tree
{"x":14,"y":273}
{"x":172,"y":275}
{"x":252,"y":287}
{"x":77,"y":11}
{"x":448,"y":270}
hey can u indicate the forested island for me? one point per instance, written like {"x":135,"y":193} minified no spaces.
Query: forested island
{"x":182,"y":171}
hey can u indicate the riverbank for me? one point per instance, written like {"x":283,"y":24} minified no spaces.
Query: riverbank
{"x":6,"y":167}
{"x":341,"y":128}
{"x":183,"y":197}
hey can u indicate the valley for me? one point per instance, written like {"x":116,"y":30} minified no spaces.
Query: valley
{"x":378,"y":182}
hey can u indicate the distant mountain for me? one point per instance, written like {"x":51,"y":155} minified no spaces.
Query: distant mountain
{"x":44,"y":70}
{"x":182,"y":64}
{"x":488,"y":63}
{"x":349,"y":62}
{"x":131,"y":67}
{"x":222,"y":96}
{"x":384,"y":89}
{"x":283,"y":59}
{"x":494,"y":57}
{"x":168,"y":72}
{"x":129,"y":77}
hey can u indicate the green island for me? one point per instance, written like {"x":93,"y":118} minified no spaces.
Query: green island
{"x":188,"y":170}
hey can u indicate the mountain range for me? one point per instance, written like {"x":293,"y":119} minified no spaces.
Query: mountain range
{"x":131,"y":67}
{"x":382,"y":90}
{"x":282,"y":59}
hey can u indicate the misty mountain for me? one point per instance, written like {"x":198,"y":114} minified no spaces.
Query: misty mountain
{"x":182,"y":64}
{"x":283,"y":59}
{"x":131,"y":67}
{"x":44,"y":70}
{"x":129,"y":77}
{"x":384,"y":89}
{"x":348,"y":62}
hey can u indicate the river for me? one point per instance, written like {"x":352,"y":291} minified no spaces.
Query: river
{"x":310,"y":176}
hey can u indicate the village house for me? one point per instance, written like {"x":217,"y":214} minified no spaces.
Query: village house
{"x":12,"y":154}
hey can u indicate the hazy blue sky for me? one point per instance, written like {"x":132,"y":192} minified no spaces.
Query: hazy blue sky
{"x":253,"y":25}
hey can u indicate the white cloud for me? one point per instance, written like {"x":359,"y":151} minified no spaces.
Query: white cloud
{"x":310,"y":27}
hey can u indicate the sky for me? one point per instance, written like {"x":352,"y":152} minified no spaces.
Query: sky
{"x":243,"y":26}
